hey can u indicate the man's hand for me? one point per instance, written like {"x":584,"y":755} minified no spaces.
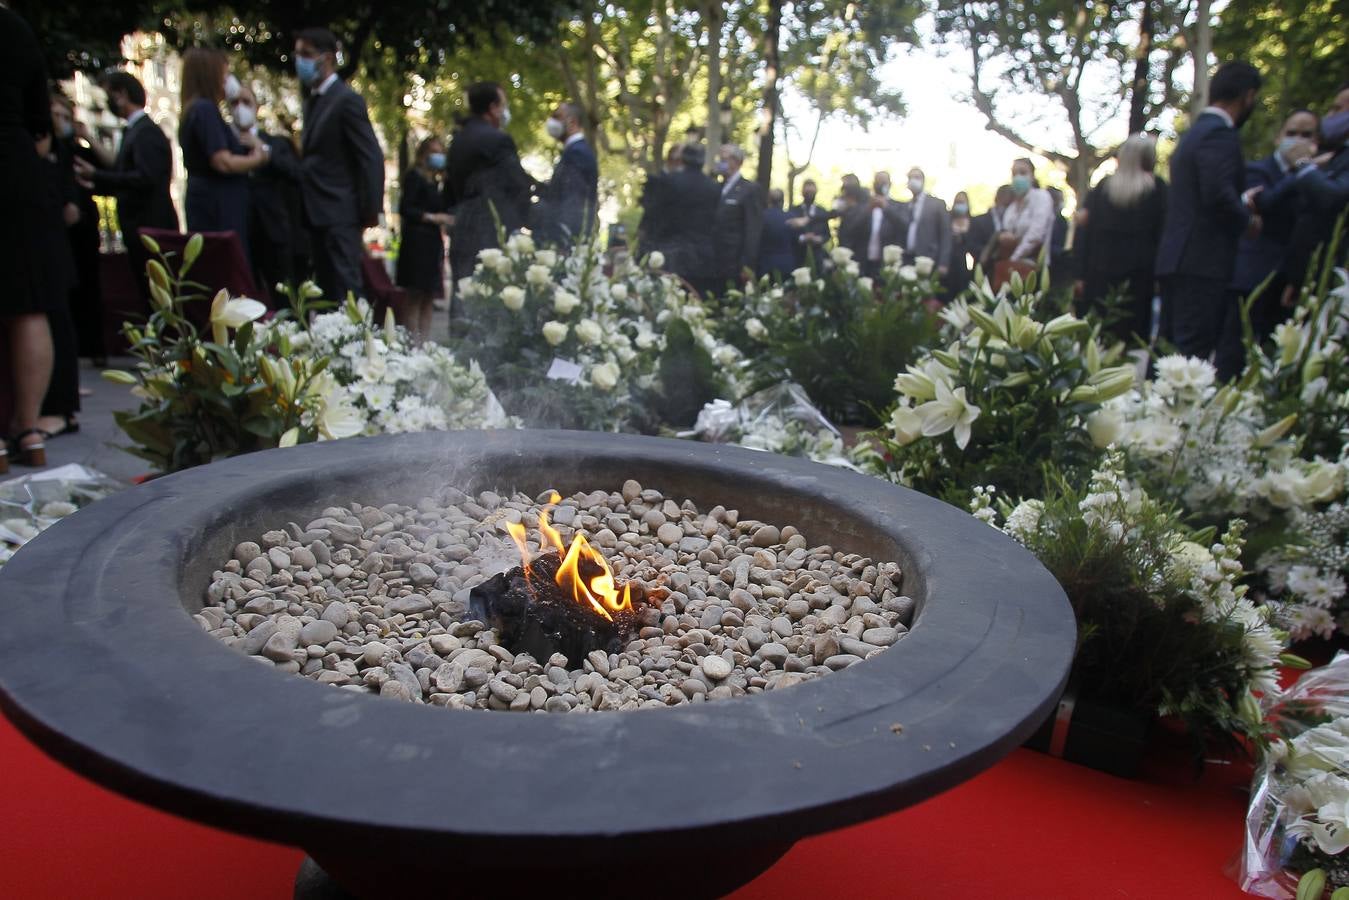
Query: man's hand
{"x":1299,"y":151}
{"x":1289,"y":298}
{"x":798,"y":222}
{"x":249,"y":139}
{"x":71,"y":213}
{"x":1249,"y":196}
{"x":1079,"y":288}
{"x":1253,"y":227}
{"x":942,"y":271}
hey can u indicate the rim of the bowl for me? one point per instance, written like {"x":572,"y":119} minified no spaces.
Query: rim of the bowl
{"x":103,"y":667}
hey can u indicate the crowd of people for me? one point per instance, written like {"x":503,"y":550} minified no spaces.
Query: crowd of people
{"x":1220,"y":230}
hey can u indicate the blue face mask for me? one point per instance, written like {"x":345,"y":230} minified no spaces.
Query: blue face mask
{"x":436,"y":161}
{"x":722,"y":167}
{"x":1335,"y":129}
{"x":1020,"y":185}
{"x":960,"y":209}
{"x":306,"y":69}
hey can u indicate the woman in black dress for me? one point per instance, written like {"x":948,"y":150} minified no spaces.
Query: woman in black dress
{"x":1117,"y":243}
{"x":958,"y":270}
{"x":31,"y":280}
{"x":421,"y":254}
{"x":217,"y":162}
{"x":61,"y":404}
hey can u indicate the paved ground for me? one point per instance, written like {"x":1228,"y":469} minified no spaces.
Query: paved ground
{"x":96,"y":443}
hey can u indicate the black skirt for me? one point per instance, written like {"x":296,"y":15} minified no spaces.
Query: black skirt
{"x":35,"y":266}
{"x":421,"y":259}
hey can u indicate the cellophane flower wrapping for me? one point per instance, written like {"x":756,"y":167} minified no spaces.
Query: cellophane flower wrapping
{"x":30,"y":504}
{"x":1298,"y":817}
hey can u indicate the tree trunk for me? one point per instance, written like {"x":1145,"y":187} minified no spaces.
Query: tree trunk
{"x":712,"y":18}
{"x":772,"y":76}
{"x":1138,"y":96}
{"x":1203,"y":46}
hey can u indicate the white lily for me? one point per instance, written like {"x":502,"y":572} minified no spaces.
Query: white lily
{"x":227,"y":313}
{"x":950,"y":411}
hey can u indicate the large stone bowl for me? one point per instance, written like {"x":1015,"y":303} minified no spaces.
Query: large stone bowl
{"x":102,"y":665}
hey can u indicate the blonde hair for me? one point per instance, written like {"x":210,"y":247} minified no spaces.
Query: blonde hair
{"x":1133,"y":179}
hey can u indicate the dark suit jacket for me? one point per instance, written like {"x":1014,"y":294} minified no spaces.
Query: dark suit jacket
{"x":777,"y":247}
{"x":1320,"y":195}
{"x":681,"y":207}
{"x":341,"y":165}
{"x":983,"y":228}
{"x":854,"y":230}
{"x":483,"y":173}
{"x":567,"y":203}
{"x":933,"y":237}
{"x":273,"y":192}
{"x":1259,"y":256}
{"x":139,"y":179}
{"x":818,"y":223}
{"x":738,"y":229}
{"x":1205,"y":215}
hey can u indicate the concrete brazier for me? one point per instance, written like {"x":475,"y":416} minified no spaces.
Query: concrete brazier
{"x":102,"y":665}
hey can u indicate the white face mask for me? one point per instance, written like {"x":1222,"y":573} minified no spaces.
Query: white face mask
{"x":245,"y":116}
{"x":555,"y":128}
{"x":232,"y":87}
{"x":916,"y":185}
{"x":505,"y":116}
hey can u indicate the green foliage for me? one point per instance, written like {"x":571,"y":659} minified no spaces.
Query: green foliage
{"x":1299,"y":46}
{"x":203,"y":400}
{"x":84,"y":37}
{"x":688,"y":376}
{"x":1020,"y":379}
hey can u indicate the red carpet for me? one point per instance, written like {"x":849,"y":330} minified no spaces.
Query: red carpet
{"x":1031,"y":827}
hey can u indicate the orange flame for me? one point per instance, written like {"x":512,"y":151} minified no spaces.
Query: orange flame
{"x":600,"y":590}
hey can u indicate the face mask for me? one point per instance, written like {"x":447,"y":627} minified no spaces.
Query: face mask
{"x":882,"y":190}
{"x":840,"y":204}
{"x":722,"y":167}
{"x":960,"y":209}
{"x":505,"y":116}
{"x":66,"y":131}
{"x":306,"y":69}
{"x":916,"y":185}
{"x":232,"y":87}
{"x":1335,"y":128}
{"x":245,"y":116}
{"x":555,"y":128}
{"x":1020,"y":185}
{"x":436,"y":161}
{"x":808,"y":199}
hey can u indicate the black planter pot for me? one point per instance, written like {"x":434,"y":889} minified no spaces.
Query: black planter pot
{"x":1100,"y":736}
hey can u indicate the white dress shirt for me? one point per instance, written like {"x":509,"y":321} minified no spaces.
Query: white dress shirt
{"x":874,"y":251}
{"x":1030,"y":218}
{"x":918,"y":199}
{"x":327,"y":83}
{"x":729,"y":183}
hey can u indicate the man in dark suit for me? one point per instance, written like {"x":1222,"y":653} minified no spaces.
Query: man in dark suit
{"x":870,"y":223}
{"x":1321,"y":183}
{"x":680,"y":212}
{"x":140,"y":174}
{"x":1206,"y":215}
{"x":1262,"y":254}
{"x":738,"y":224}
{"x":273,"y":198}
{"x":810,"y":223}
{"x":987,"y":225}
{"x":484,"y":182}
{"x":654,"y":229}
{"x":777,"y":250}
{"x":341,"y":166}
{"x":567,"y":203}
{"x":929,"y":225}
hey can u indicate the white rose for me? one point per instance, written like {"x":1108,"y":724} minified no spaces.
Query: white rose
{"x":519,"y":244}
{"x":588,"y":331}
{"x":604,"y":376}
{"x":513,"y":298}
{"x":1323,"y":483}
{"x":503,"y":266}
{"x":466,"y":288}
{"x":564,"y":302}
{"x":554,"y":332}
{"x":890,"y":254}
{"x":656,"y":260}
{"x":726,"y":356}
{"x":490,"y":257}
{"x":924,"y":266}
{"x":840,"y":255}
{"x":546,"y":258}
{"x":865,"y":284}
{"x":801,"y":276}
{"x":908,"y":273}
{"x":755,"y":329}
{"x":1105,"y":426}
{"x":619,"y":292}
{"x":852,"y":269}
{"x":538,"y":275}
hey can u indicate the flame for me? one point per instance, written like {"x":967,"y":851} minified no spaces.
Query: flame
{"x":596,"y":587}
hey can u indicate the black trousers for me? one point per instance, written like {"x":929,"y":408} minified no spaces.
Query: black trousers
{"x":337,"y":261}
{"x":63,"y":391}
{"x":1193,"y":311}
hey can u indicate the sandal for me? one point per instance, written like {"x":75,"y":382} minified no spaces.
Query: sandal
{"x":34,"y":455}
{"x":69,"y":426}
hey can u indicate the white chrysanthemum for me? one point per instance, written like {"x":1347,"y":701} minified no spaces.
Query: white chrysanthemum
{"x":1023,"y":521}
